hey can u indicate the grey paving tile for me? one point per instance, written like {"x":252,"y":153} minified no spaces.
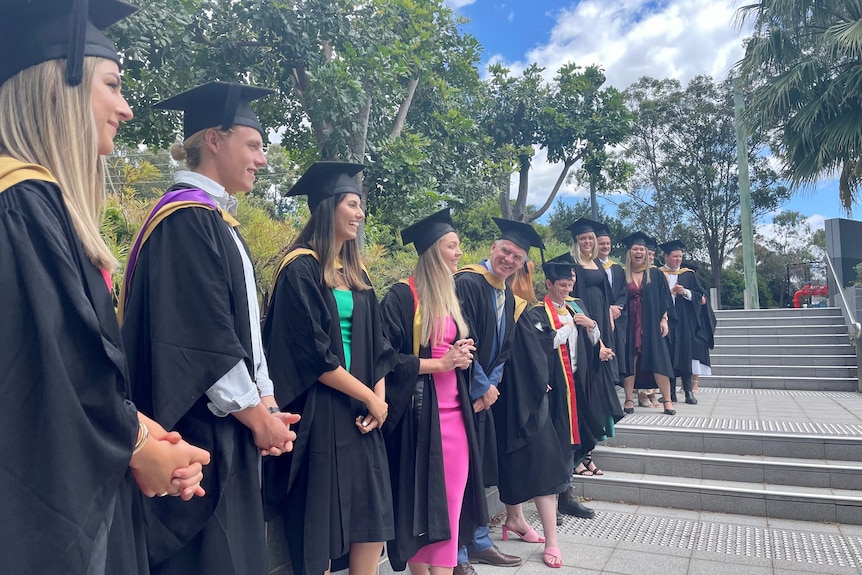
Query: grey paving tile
{"x":802,"y":510}
{"x":848,"y":514}
{"x":804,"y":526}
{"x":539,"y":568}
{"x":734,"y":519}
{"x":670,"y":498}
{"x":609,"y":491}
{"x":733,"y":504}
{"x":635,"y":562}
{"x":704,"y":567}
{"x":781,"y":566}
{"x":732,"y":558}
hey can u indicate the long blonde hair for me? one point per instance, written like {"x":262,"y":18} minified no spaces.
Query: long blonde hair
{"x":319,"y":233}
{"x":44,"y":121}
{"x":629,"y":269}
{"x":576,"y":250}
{"x":435,"y":287}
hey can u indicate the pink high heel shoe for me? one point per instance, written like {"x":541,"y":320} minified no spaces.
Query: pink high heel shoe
{"x":530,"y":536}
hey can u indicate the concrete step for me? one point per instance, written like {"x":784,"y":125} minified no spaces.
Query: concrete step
{"x":768,"y":349}
{"x":769,"y":329}
{"x":780,"y":382}
{"x":804,"y":360}
{"x":778,"y":312}
{"x":746,"y":338}
{"x":823,"y":473}
{"x":789,"y":321}
{"x":802,"y":440}
{"x":829,"y":371}
{"x":746,"y":498}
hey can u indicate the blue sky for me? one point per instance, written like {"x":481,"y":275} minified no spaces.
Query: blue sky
{"x":629,"y":39}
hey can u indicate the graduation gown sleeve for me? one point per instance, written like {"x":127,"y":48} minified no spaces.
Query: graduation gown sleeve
{"x":68,"y":427}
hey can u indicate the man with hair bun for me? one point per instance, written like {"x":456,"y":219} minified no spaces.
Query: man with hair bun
{"x":191,"y":321}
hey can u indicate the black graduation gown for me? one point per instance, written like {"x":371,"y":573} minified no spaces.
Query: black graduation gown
{"x":655,"y":297}
{"x":334,"y":488}
{"x":69,"y":504}
{"x":413,"y":443}
{"x":533,"y":424}
{"x":704,"y":337}
{"x":682,"y":332}
{"x":477,"y":306}
{"x":186,"y":324}
{"x":619,"y":295}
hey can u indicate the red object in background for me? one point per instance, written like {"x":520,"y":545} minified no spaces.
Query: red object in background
{"x":808,"y":290}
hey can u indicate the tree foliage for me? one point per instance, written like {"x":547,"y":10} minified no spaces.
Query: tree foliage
{"x":683,"y":145}
{"x":804,"y":65}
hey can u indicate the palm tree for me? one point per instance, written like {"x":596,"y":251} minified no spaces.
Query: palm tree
{"x":803,"y":65}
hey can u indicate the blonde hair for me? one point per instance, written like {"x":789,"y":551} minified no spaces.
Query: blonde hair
{"x":629,"y":268}
{"x":319,"y":233}
{"x":44,"y":121}
{"x":435,"y":286}
{"x":189,"y":150}
{"x":521,"y":282}
{"x":576,"y":250}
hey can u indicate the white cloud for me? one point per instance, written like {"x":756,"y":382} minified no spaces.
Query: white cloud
{"x":457,"y":4}
{"x":629,"y":39}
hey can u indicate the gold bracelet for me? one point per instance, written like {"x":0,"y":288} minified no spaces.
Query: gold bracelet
{"x":145,"y":433}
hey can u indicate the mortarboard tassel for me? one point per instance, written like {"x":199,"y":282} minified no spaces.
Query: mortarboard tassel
{"x":77,"y":39}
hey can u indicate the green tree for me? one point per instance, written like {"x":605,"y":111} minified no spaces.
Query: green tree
{"x":804,"y":65}
{"x":687,"y":185}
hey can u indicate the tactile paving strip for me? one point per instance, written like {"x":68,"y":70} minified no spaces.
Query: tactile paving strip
{"x":739,"y":540}
{"x":694,"y":423}
{"x":843,"y":395}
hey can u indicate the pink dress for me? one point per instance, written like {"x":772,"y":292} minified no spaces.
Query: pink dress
{"x":456,"y":460}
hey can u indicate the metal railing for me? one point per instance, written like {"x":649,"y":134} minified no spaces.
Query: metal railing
{"x":854,"y":329}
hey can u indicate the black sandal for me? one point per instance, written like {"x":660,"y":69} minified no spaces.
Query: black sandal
{"x":590,"y":466}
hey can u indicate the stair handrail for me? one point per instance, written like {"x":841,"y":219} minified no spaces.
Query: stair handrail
{"x":854,"y":329}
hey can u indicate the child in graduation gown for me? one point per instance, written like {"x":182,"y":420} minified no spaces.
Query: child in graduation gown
{"x":328,"y":356}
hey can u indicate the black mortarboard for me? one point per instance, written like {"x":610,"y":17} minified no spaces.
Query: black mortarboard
{"x":324,"y":179}
{"x":522,"y":235}
{"x":426,"y":231}
{"x":583,"y":226}
{"x":217,"y":104}
{"x":651,"y":244}
{"x":637,"y":238}
{"x":35,"y":31}
{"x":603,"y":231}
{"x":672,"y":245}
{"x":558,"y":270}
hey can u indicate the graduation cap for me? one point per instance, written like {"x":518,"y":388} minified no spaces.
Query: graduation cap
{"x":324,"y":179}
{"x":637,"y":239}
{"x":522,"y":235}
{"x":222,"y":104}
{"x":36,"y":31}
{"x":603,"y":231}
{"x":426,"y":231}
{"x":583,"y":226}
{"x":558,"y":270}
{"x":672,"y":245}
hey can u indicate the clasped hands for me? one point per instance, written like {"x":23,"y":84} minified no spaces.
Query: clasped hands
{"x":274,"y":437}
{"x":168,"y":465}
{"x":459,"y":355}
{"x":488,"y":399}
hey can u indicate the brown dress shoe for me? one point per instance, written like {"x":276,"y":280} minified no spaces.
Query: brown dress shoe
{"x":493,"y":556}
{"x":464,"y":569}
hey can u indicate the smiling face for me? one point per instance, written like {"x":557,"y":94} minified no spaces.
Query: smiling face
{"x":506,"y":257}
{"x":238,"y":157}
{"x":109,"y":106}
{"x":603,"y":244}
{"x":586,"y":243}
{"x":674,"y":259}
{"x":637,"y":254}
{"x":449,"y":247}
{"x":559,"y":290}
{"x":348,"y":215}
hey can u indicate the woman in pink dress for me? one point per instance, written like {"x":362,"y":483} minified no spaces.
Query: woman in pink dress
{"x":430,"y":438}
